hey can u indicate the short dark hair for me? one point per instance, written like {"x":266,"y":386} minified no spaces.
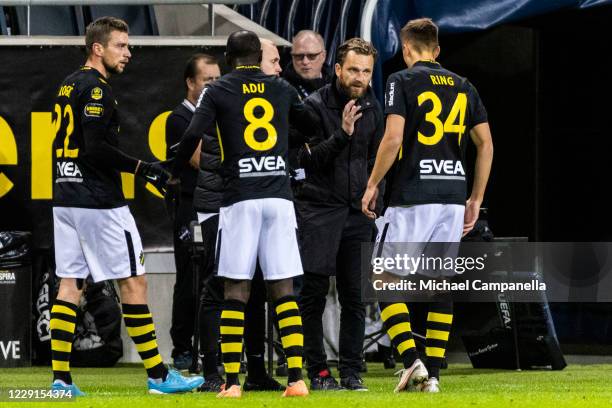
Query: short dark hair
{"x":99,"y":31}
{"x":422,"y":33}
{"x":243,"y":46}
{"x":358,"y":46}
{"x":192,"y":64}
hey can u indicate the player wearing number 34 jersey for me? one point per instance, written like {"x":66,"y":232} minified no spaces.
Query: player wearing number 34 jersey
{"x":431,"y":114}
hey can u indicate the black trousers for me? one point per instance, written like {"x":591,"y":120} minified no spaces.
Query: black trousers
{"x":183,"y":300}
{"x":355,"y":230}
{"x":211,"y":300}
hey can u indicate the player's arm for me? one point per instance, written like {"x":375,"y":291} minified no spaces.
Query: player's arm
{"x":95,"y":121}
{"x":203,"y":119}
{"x":319,"y":151}
{"x":96,"y":114}
{"x":372,"y":152}
{"x":316,"y":151}
{"x":481,"y":136}
{"x":176,"y":126}
{"x":197,"y":155}
{"x":386,"y":155}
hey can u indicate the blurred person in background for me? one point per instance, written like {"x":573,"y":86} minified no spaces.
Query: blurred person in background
{"x":200,"y":70}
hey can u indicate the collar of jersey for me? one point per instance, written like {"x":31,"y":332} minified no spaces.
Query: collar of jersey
{"x":429,"y":63}
{"x":92,"y":69}
{"x":248,"y":68}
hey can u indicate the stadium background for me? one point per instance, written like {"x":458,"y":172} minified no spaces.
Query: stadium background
{"x":537,"y":67}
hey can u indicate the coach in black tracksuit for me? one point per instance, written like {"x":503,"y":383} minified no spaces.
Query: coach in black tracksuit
{"x":337,"y":160}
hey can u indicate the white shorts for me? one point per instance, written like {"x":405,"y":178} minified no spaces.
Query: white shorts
{"x":416,"y":226}
{"x":264,"y":228}
{"x":103,"y":243}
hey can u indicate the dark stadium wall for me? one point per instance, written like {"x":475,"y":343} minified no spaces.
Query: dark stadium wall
{"x":501,"y":64}
{"x":544,"y":83}
{"x":147,"y":91}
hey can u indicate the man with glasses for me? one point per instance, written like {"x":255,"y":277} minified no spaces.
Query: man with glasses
{"x":307,"y":71}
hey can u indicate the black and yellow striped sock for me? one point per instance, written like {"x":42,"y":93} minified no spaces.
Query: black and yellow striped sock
{"x":396,"y":321}
{"x":439,"y":321}
{"x":291,"y":334}
{"x":139,"y":325}
{"x":232,"y":332}
{"x":62,"y":326}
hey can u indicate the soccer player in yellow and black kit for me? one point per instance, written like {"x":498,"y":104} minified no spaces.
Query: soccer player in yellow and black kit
{"x":256,"y":218}
{"x":94,"y":231}
{"x":429,"y":111}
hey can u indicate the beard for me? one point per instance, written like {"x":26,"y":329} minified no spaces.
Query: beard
{"x":113,"y":69}
{"x":354,"y":90}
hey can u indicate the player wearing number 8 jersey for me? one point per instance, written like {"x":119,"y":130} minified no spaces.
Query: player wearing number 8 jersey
{"x":430,"y":112}
{"x":257,"y":220}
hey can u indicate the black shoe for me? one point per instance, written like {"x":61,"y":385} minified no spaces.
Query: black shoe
{"x":353,"y":383}
{"x":281,"y":370}
{"x":212,"y":383}
{"x":327,"y":383}
{"x":389,"y":362}
{"x":183,"y":360}
{"x":265,"y":383}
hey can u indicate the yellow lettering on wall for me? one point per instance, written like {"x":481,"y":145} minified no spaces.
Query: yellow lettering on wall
{"x":127,"y":184}
{"x":8,"y":154}
{"x":157,"y":143}
{"x":43,"y":134}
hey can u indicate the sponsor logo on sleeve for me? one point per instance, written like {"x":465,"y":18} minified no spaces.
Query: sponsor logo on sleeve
{"x":96,"y":93}
{"x":390,"y":94}
{"x":94,"y":110}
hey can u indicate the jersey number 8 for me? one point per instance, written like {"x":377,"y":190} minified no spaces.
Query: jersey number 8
{"x":262,"y":122}
{"x":449,"y":125}
{"x":65,"y":152}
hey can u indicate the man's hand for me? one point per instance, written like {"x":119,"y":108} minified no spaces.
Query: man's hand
{"x":195,"y":157}
{"x":154,"y":173}
{"x":368,"y":202}
{"x":350,"y":115}
{"x":472,"y":210}
{"x":172,"y":196}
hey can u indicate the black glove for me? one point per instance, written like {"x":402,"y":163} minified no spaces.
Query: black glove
{"x":155,"y":174}
{"x":172,"y":196}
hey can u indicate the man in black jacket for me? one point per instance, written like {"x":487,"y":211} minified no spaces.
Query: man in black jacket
{"x":199,"y":71}
{"x":307,"y":71}
{"x":337,"y":161}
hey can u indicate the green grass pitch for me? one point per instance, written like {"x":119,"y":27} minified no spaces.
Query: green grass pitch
{"x":462,"y":386}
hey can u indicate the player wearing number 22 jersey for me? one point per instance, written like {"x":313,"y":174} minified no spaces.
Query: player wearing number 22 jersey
{"x":86,"y":116}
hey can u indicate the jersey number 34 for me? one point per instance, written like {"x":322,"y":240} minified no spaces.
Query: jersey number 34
{"x":454,"y":123}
